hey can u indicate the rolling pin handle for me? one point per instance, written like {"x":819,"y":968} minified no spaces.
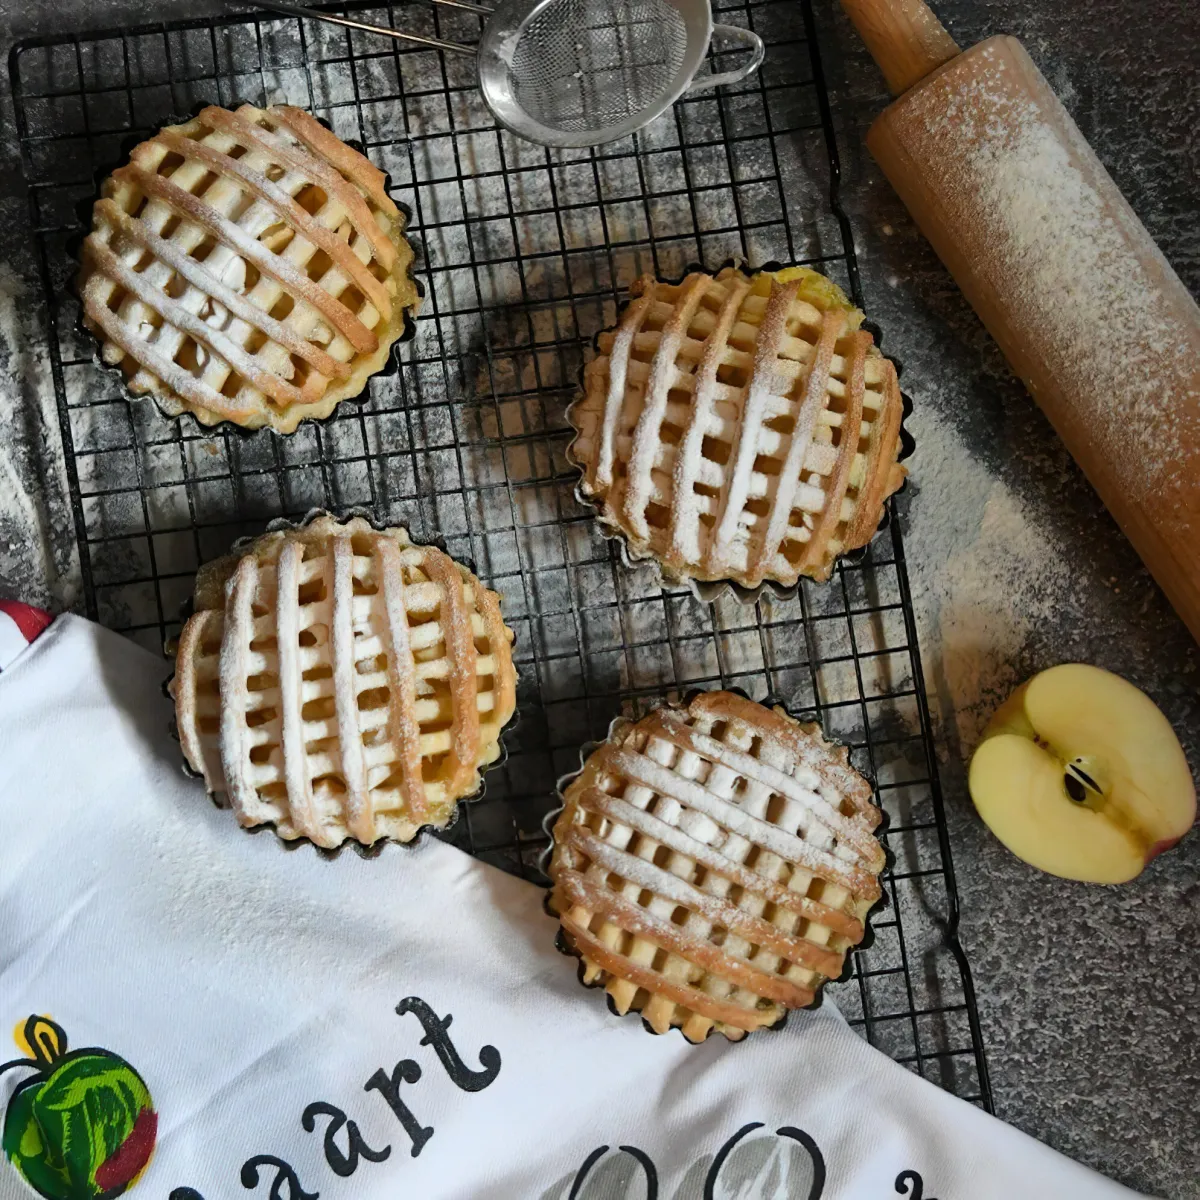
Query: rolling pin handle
{"x":904,"y":38}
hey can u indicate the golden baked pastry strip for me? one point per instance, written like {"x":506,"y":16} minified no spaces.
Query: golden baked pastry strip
{"x":350,"y":684}
{"x":713,"y":865}
{"x":247,"y":266}
{"x":732,"y":429}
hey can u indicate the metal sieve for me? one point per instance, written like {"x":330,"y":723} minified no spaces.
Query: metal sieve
{"x":581,"y":72}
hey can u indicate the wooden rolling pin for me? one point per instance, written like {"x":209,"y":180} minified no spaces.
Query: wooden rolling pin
{"x":1083,"y":304}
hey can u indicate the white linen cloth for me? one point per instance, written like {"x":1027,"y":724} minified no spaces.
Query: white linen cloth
{"x":245,"y":981}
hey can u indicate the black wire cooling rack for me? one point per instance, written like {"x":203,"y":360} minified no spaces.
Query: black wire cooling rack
{"x":523,"y":254}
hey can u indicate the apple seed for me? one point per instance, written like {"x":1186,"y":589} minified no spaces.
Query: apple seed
{"x":1075,"y":789}
{"x":1078,"y":782}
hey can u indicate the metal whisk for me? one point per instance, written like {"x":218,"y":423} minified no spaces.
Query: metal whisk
{"x":580,"y":72}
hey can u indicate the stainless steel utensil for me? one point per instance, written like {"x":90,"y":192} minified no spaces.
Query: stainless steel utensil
{"x":580,"y":72}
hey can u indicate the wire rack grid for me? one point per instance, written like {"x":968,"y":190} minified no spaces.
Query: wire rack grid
{"x":523,"y":254}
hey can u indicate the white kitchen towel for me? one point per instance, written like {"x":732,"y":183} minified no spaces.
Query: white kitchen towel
{"x":280,"y":1023}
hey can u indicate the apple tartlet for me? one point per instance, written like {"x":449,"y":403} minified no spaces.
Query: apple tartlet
{"x":248,"y":267}
{"x":337,"y":681}
{"x":713,"y":864}
{"x":739,"y":427}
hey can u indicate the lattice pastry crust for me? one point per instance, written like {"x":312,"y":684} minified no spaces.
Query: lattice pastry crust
{"x":337,"y":681}
{"x":740,"y":427}
{"x":247,"y":266}
{"x":712,"y":865}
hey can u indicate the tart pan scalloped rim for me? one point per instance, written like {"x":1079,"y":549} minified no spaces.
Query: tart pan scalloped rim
{"x":620,"y":722}
{"x":277,"y":525}
{"x":709,"y":591}
{"x":74,"y":249}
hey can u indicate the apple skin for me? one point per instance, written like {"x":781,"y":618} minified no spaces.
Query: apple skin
{"x":1144,"y":800}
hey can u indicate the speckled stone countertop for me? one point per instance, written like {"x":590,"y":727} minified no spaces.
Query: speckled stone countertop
{"x":1089,"y":996}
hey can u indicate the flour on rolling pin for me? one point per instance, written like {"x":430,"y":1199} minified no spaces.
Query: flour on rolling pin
{"x":1079,"y":298}
{"x":1047,"y":232}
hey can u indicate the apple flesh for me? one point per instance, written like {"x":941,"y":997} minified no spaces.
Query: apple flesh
{"x":1079,"y":774}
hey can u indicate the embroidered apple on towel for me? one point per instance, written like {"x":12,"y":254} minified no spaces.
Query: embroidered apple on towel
{"x":82,"y":1127}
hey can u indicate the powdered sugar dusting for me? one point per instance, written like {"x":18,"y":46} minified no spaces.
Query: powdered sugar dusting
{"x":1057,"y":249}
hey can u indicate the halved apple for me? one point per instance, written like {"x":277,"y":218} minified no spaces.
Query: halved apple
{"x":1081,"y":775}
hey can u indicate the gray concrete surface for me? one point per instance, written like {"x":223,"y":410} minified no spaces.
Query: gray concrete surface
{"x":1089,"y":1006}
{"x":1089,"y":996}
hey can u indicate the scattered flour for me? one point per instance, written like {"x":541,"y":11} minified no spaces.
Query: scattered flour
{"x":986,"y":577}
{"x":37,"y":547}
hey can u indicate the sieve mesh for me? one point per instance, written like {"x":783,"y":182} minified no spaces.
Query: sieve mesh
{"x":591,"y":64}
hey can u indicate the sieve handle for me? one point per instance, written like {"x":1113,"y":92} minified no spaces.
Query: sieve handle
{"x":757,"y":52}
{"x":299,"y":10}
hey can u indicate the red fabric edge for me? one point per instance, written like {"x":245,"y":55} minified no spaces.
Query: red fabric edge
{"x":29,"y":620}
